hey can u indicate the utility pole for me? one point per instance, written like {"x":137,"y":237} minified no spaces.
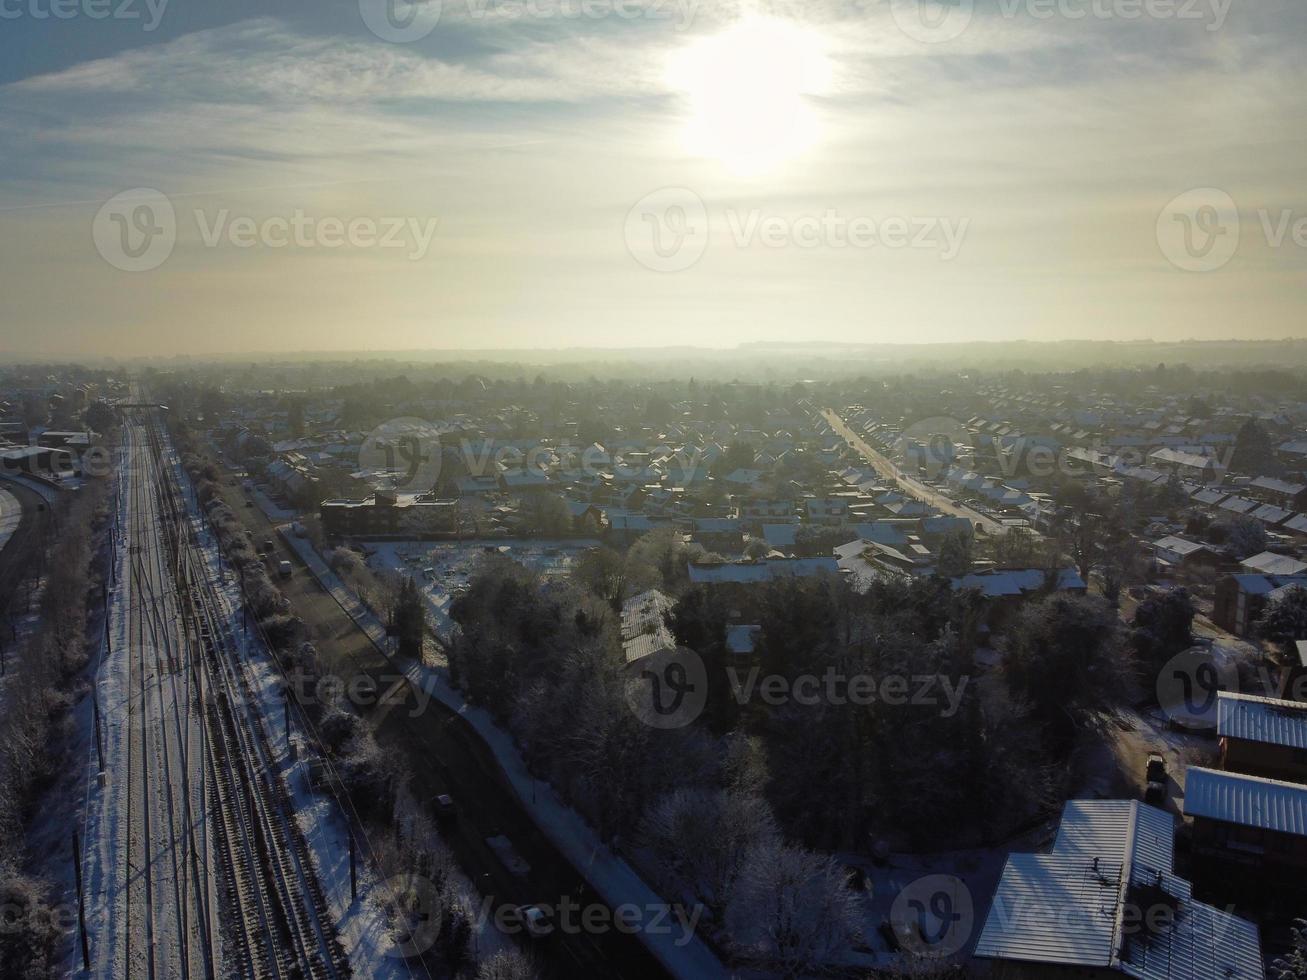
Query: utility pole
{"x":81,"y":903}
{"x":353,"y":878}
{"x":99,"y":738}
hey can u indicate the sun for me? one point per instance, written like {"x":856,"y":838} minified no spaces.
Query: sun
{"x":747,"y":89}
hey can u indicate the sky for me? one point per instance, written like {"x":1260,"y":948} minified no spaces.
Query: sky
{"x":179,"y":176}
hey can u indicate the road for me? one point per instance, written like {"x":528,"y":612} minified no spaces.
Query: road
{"x":926,"y":494}
{"x":193,"y":865}
{"x":445,"y":755}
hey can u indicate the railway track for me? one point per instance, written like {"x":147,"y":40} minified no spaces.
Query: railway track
{"x":217,"y":876}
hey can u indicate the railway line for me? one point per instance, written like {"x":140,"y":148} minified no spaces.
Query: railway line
{"x":213,"y":877}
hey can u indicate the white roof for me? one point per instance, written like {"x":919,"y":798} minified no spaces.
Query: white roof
{"x":1081,"y":904}
{"x":1180,"y":546}
{"x":1269,"y":563}
{"x":1250,"y":801}
{"x":1259,"y":719}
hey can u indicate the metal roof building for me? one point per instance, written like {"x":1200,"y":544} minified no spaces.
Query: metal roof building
{"x":1258,"y":719}
{"x":1249,"y":801}
{"x":1088,"y":905}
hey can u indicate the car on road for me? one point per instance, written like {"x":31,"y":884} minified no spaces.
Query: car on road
{"x":269,"y":545}
{"x":1156,"y":770}
{"x":535,"y":921}
{"x":284,"y":569}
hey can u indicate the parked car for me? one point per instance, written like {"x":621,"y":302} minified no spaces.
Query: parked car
{"x":1156,"y":771}
{"x":284,"y":569}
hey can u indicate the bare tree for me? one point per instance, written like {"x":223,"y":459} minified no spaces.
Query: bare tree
{"x":792,"y":909}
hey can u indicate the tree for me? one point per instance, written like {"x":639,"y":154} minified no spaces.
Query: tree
{"x":507,"y":964}
{"x":703,"y":837}
{"x":100,"y":417}
{"x":1284,"y":619}
{"x":1062,"y":656}
{"x":1293,"y":965}
{"x":547,"y":514}
{"x":1018,"y":548}
{"x":1254,"y":452}
{"x":793,"y":910}
{"x":1163,"y":627}
{"x":409,"y":618}
{"x":295,"y":417}
{"x":955,"y":554}
{"x":1244,"y":536}
{"x":603,"y":572}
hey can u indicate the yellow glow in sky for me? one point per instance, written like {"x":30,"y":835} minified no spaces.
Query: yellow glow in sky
{"x":747,"y":88}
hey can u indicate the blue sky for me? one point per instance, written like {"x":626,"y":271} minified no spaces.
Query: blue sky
{"x":709,"y":173}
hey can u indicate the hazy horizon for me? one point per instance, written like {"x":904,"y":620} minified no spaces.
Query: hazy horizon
{"x":497,"y":174}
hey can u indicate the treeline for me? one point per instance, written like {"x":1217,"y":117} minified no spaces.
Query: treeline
{"x":744,"y":803}
{"x":45,"y":679}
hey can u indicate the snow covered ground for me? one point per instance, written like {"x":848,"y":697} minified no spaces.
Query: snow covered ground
{"x":11,"y":515}
{"x":442,"y":568}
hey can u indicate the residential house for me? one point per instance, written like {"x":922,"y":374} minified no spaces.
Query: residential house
{"x":1262,"y":736}
{"x":1106,"y":903}
{"x":1248,"y":822}
{"x":1239,"y":599}
{"x":1175,"y":554}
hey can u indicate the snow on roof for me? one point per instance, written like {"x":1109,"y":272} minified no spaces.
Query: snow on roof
{"x":644,"y":625}
{"x":760,"y":571}
{"x":1275,"y":485}
{"x":1238,"y":505}
{"x":1269,"y":563}
{"x":1249,"y":801}
{"x":1260,"y":719}
{"x":1181,"y":546}
{"x":1083,"y":904}
{"x":1012,"y":582}
{"x":1270,"y":514}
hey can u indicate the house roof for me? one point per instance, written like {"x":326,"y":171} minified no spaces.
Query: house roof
{"x":1181,"y":546}
{"x":644,"y":625}
{"x":760,"y":571}
{"x":1269,"y":563}
{"x":1250,"y":801}
{"x":1258,"y":719}
{"x":1080,"y":905}
{"x":1013,"y":582}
